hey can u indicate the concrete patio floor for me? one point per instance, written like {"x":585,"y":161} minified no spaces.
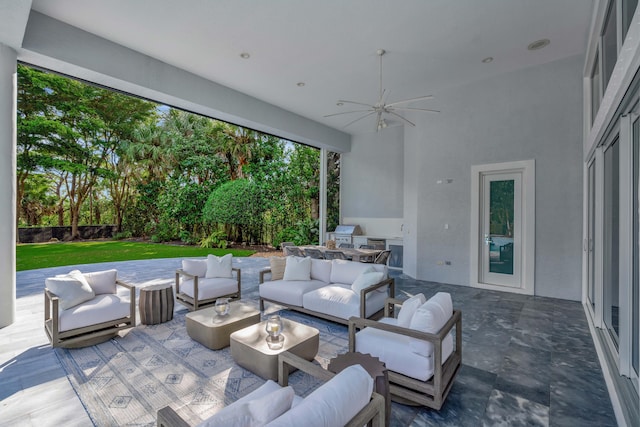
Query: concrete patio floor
{"x":526,"y":360}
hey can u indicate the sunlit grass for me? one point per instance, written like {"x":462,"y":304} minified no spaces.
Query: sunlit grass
{"x":43,"y":255}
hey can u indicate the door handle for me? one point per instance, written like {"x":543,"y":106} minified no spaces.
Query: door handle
{"x":487,"y":239}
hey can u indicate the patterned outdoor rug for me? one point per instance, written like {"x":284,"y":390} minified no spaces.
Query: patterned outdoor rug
{"x":126,"y":380}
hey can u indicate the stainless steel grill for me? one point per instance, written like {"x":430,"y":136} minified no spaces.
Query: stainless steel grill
{"x":344,"y":233}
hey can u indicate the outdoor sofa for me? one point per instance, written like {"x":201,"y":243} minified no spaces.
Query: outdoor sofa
{"x":345,"y":399}
{"x":331,"y":289}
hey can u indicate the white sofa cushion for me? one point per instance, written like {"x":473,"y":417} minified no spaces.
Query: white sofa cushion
{"x":394,"y":350}
{"x":238,"y":412}
{"x":365,"y":279}
{"x":102,"y":308}
{"x":102,"y":282}
{"x":219,"y":266}
{"x":346,"y":272}
{"x":321,"y":270}
{"x":409,"y":308}
{"x":297,"y":268}
{"x":195,"y":267}
{"x":430,"y":317}
{"x":341,"y":301}
{"x":334,"y":403}
{"x":72,"y":289}
{"x":267,"y":408}
{"x":289,"y":292}
{"x":209,"y":288}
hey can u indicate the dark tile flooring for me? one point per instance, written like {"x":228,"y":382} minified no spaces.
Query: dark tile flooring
{"x":527,"y":361}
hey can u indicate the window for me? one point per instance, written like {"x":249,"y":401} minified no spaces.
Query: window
{"x":611,"y":297}
{"x":595,"y":87}
{"x":609,"y":44}
{"x":628,"y":9}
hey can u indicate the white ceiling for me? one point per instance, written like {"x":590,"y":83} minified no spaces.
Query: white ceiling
{"x":330,"y":45}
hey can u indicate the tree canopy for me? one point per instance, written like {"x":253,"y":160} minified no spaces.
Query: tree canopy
{"x":89,"y":155}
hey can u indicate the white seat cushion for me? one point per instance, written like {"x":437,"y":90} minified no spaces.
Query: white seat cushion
{"x":102,"y":308}
{"x":394,"y":350}
{"x":341,"y":301}
{"x":334,"y":403}
{"x":289,"y":292}
{"x":210,"y":288}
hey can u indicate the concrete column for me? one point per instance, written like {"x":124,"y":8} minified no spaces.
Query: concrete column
{"x":8,"y":93}
{"x":323,"y":196}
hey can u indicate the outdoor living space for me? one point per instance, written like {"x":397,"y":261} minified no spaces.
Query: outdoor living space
{"x":526,"y":361}
{"x":490,"y":148}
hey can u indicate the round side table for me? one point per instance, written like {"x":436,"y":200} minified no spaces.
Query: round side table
{"x":374,"y":367}
{"x":156,"y":304}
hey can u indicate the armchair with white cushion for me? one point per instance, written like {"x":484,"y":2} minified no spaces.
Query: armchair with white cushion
{"x":201,"y":281}
{"x":344,"y":399}
{"x":417,"y":347}
{"x":82,"y":309}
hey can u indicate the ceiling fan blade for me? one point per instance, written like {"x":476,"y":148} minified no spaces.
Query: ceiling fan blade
{"x":354,"y":102}
{"x":416,"y":109}
{"x":398,"y":115}
{"x":410,"y":100}
{"x":347,"y":112}
{"x":356,"y":120}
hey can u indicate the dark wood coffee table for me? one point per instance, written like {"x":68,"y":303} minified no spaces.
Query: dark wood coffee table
{"x":374,"y":367}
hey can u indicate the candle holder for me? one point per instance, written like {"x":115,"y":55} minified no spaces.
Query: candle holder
{"x":275,"y":339}
{"x":222,"y":306}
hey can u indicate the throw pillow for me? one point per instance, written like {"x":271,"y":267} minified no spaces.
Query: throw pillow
{"x":72,"y":289}
{"x":409,"y":308}
{"x":430,"y":317}
{"x":366,"y":279}
{"x":102,"y":282}
{"x":219,"y":266}
{"x":297,"y":268}
{"x":267,"y":408}
{"x":195,"y":267}
{"x":277,"y":264}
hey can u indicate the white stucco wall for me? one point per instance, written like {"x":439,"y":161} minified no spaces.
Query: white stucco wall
{"x":8,"y":185}
{"x":534,"y":113}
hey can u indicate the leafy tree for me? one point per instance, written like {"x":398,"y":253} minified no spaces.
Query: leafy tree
{"x":238,"y":203}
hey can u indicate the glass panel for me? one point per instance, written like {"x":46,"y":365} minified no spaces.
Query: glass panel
{"x":609,"y":44}
{"x":591,"y":234}
{"x":628,"y":9}
{"x":635,"y":284}
{"x":501,"y":218}
{"x":595,"y":88}
{"x":611,"y":240}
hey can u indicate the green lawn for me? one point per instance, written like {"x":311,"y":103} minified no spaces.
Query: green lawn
{"x":43,"y":255}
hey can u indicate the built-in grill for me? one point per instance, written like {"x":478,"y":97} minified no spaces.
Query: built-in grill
{"x":344,"y":233}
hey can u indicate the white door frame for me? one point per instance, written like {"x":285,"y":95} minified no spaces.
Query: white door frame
{"x":527,"y":168}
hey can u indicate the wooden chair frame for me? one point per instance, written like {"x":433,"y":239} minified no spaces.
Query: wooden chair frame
{"x":373,"y":412}
{"x":87,"y":335}
{"x":433,"y":392}
{"x":195,"y":303}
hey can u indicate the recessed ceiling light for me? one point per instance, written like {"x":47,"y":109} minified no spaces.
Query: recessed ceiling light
{"x":245,"y":55}
{"x":538,"y":44}
{"x":300,"y":84}
{"x":339,"y":104}
{"x":487,"y":59}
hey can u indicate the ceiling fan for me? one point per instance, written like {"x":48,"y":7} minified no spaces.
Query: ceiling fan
{"x":381,"y":107}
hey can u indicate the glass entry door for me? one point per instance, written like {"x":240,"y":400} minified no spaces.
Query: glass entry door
{"x":501,"y":229}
